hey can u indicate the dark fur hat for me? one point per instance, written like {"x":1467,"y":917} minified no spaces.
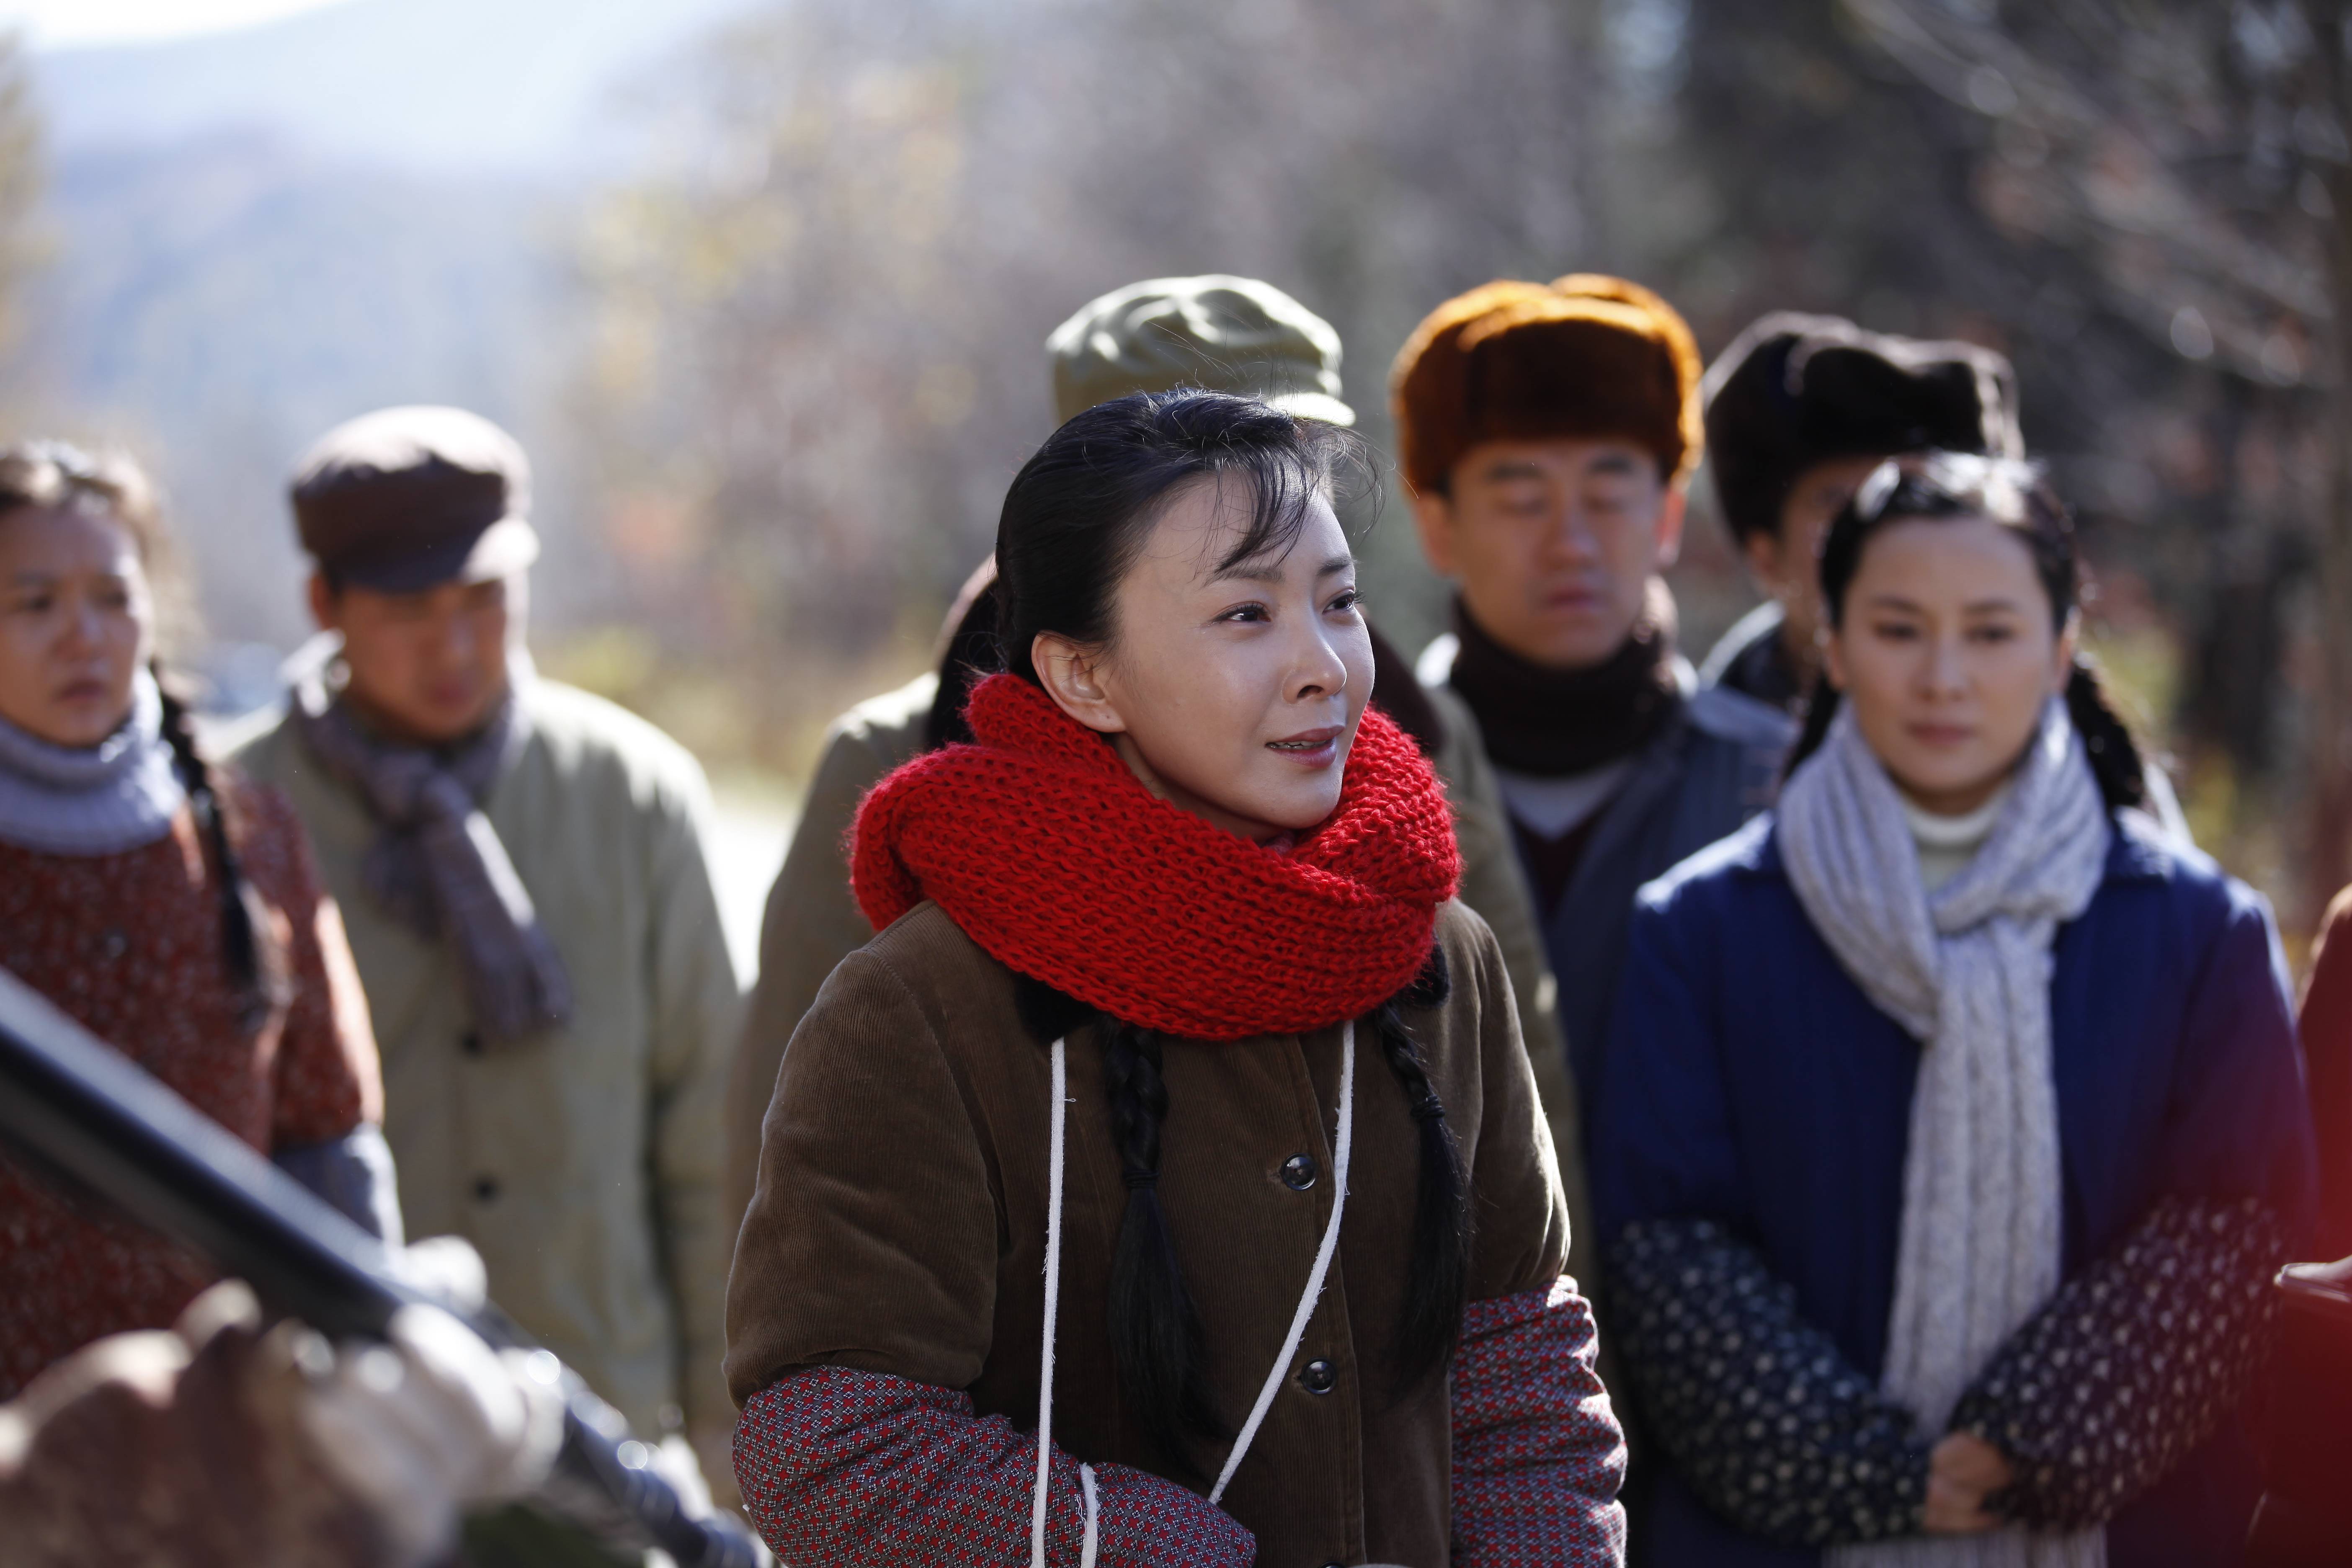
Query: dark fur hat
{"x":1583,"y":355}
{"x":1795,"y":390}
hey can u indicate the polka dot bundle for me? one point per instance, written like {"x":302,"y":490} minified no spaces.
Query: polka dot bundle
{"x":1062,"y":867}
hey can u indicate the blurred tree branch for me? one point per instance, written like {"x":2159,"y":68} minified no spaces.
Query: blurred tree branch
{"x":2194,"y":158}
{"x":2138,"y":147}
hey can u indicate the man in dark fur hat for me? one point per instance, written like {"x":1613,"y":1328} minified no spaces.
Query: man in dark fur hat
{"x":1798,"y":410}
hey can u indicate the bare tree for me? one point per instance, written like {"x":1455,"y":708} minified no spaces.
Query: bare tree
{"x":2189,"y":160}
{"x":822,"y":314}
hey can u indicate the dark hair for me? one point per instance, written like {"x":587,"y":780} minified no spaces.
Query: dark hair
{"x":1073,"y":521}
{"x":971,"y":654}
{"x":56,"y":476}
{"x":1438,"y":1287}
{"x":1083,"y":505}
{"x":2013,"y":493}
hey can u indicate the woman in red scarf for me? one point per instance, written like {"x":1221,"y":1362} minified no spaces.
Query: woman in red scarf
{"x":1085,"y":1231}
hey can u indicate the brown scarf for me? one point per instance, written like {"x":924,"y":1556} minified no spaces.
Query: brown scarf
{"x":1555,"y":722}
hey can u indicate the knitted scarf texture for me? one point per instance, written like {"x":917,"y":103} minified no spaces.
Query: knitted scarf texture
{"x":437,"y":864}
{"x":1062,"y":865}
{"x":1966,"y":970}
{"x":120,"y":795}
{"x":1554,"y":722}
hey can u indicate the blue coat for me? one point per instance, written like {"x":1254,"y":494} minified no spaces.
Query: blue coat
{"x":1748,"y":1080}
{"x":1713,"y":763}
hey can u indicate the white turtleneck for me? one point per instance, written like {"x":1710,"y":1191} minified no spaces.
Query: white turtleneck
{"x":1947,"y":844}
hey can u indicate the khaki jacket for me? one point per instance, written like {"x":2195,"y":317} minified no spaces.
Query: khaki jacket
{"x":585,"y":1166}
{"x":1494,"y":885}
{"x":899,"y":1223}
{"x":812,"y":922}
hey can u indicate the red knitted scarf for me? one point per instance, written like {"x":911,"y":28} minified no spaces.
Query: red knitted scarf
{"x":1052,"y":857}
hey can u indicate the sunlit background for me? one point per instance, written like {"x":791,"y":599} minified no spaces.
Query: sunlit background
{"x":764,"y":287}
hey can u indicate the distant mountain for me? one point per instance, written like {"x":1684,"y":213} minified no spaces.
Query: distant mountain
{"x":421,"y":86}
{"x":259,"y":233}
{"x":219,"y":303}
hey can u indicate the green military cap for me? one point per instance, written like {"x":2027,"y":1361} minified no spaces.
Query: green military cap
{"x":1218,"y":332}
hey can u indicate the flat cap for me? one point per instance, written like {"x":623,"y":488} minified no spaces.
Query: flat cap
{"x":1796,"y":390}
{"x":1217,"y":333}
{"x":408,"y":499}
{"x":1584,"y":355}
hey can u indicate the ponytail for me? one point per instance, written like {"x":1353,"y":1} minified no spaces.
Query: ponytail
{"x":255,"y":963}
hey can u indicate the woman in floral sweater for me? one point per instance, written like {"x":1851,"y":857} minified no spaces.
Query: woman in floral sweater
{"x":170,"y":909}
{"x":1951,"y":1128}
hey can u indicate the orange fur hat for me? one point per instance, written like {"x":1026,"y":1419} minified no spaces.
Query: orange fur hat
{"x":1586,"y":355}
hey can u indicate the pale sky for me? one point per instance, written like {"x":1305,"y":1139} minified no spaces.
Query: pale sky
{"x":62,"y":23}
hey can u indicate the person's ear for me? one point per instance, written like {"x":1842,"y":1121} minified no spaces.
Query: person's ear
{"x":1432,"y":519}
{"x":2070,"y":640}
{"x":325,"y":607}
{"x":1072,"y":674}
{"x":1833,"y":657}
{"x":1671,"y":513}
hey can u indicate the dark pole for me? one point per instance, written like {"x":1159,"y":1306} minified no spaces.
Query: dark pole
{"x":79,"y":1111}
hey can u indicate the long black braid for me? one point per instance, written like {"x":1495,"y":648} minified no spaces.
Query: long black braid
{"x":1155,"y":1331}
{"x":257,"y":963}
{"x":1439,"y":1283}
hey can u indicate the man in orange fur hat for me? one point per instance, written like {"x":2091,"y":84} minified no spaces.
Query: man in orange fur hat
{"x":1547,"y":433}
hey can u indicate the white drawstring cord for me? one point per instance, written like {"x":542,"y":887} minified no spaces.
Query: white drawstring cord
{"x":1053,"y":1307}
{"x":1323,"y":1254}
{"x":1345,"y":1144}
{"x":1087,"y":1485}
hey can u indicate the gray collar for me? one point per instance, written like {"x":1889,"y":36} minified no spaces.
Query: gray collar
{"x":122,"y":793}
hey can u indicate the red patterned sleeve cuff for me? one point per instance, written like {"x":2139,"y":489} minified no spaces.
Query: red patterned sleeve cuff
{"x":1537,"y":1453}
{"x":862,"y":1469}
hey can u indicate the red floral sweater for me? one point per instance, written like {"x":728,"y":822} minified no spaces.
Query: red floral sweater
{"x":862,"y":1469}
{"x":129,"y":945}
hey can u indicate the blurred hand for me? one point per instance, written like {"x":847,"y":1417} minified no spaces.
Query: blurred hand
{"x":1963,"y":1471}
{"x":432,"y":1421}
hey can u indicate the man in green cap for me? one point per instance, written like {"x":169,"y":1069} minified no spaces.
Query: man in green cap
{"x":1226,"y":334}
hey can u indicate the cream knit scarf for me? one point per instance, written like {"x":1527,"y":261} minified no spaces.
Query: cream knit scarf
{"x":1967,"y":972}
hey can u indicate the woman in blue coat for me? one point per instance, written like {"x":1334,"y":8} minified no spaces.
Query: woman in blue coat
{"x":1951,"y":1125}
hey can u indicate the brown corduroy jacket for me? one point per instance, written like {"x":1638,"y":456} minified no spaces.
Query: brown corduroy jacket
{"x":898,"y":1224}
{"x":811,"y":923}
